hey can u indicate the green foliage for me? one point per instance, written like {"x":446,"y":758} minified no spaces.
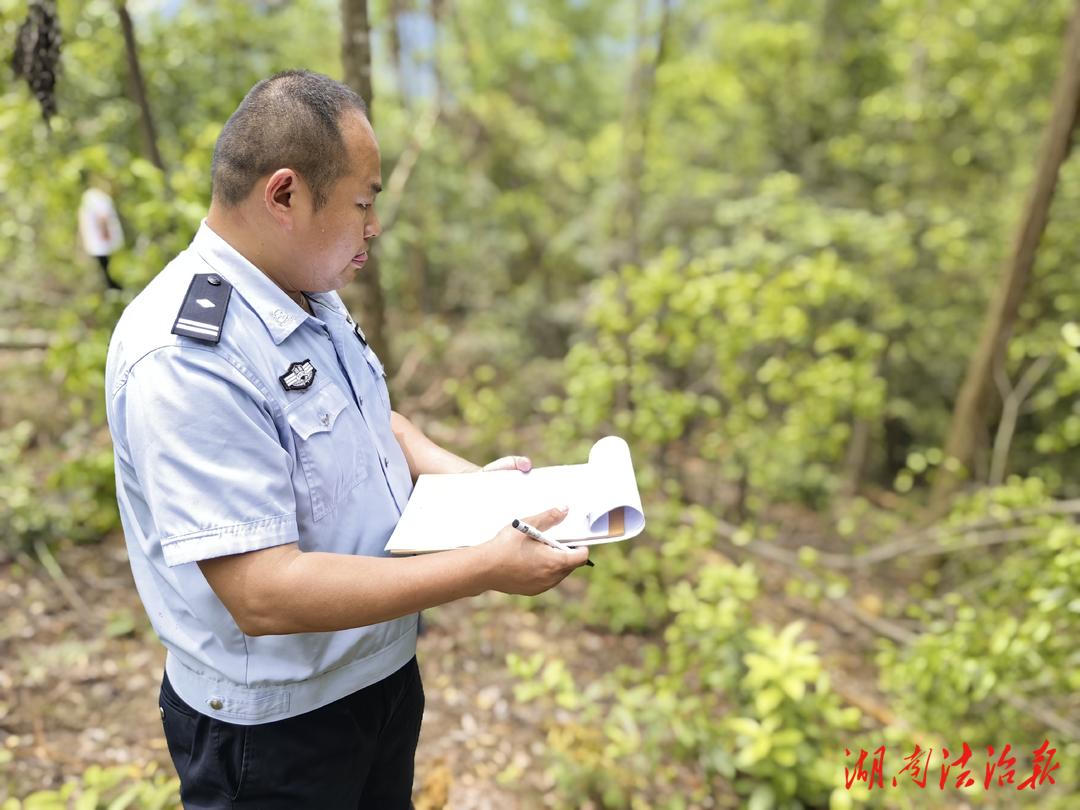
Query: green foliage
{"x":120,"y":787}
{"x":1000,"y":627}
{"x":759,"y":354}
{"x":825,"y":193}
{"x":723,"y":694}
{"x":496,"y":221}
{"x":63,"y":485}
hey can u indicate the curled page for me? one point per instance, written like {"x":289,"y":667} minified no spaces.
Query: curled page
{"x":612,"y":474}
{"x":452,"y":511}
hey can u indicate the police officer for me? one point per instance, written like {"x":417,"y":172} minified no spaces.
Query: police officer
{"x":260,"y":471}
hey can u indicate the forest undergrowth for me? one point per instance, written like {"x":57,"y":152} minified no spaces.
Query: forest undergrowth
{"x":527,"y":698}
{"x":758,"y":241}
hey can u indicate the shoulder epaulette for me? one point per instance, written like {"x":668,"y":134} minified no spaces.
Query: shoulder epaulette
{"x":203,"y":311}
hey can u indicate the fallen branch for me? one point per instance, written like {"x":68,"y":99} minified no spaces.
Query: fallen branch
{"x":926,"y":543}
{"x":24,"y":340}
{"x":1043,"y":715}
{"x":883,"y":627}
{"x":60,"y":578}
{"x":884,"y":554}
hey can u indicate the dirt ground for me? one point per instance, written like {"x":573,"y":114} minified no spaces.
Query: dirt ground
{"x":80,"y":672}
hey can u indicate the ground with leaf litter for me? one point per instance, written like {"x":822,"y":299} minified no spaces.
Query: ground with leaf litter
{"x":81,"y":670}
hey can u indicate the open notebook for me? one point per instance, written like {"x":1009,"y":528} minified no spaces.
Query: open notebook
{"x":453,"y":511}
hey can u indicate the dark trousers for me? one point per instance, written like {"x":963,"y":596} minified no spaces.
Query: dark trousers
{"x":104,"y":262}
{"x":354,"y":754}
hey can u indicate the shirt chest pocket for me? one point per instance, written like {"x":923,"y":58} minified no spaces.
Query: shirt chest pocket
{"x":329,"y":436}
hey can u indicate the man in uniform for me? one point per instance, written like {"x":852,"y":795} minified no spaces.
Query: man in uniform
{"x":260,"y":471}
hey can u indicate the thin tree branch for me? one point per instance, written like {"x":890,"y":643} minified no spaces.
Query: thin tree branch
{"x":918,"y":545}
{"x":48,"y":561}
{"x":138,"y":88}
{"x":395,"y":186}
{"x":1041,"y":713}
{"x":24,"y":340}
{"x":907,"y":545}
{"x":1010,"y":410}
{"x":889,"y":629}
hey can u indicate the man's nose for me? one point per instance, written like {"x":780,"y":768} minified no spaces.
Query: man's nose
{"x":372,"y":227}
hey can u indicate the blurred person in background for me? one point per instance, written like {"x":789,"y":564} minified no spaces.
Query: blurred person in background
{"x":99,"y":228}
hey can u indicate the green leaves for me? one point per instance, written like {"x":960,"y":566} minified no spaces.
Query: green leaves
{"x":740,"y":700}
{"x":767,"y":344}
{"x":120,"y":787}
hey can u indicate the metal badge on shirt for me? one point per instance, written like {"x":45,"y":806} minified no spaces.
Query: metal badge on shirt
{"x":357,"y":330}
{"x":203,"y":311}
{"x":299,"y":376}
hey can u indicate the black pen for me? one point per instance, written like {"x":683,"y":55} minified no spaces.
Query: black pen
{"x":536,"y":534}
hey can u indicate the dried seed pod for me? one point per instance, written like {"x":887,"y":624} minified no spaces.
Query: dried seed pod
{"x":37,"y":53}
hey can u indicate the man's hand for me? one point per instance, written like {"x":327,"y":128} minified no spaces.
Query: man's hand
{"x":509,"y":463}
{"x":525,"y":566}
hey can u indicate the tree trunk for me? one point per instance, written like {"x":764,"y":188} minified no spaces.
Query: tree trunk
{"x":626,"y":222}
{"x":364,"y":297}
{"x":627,"y":240}
{"x":137,"y":88}
{"x":970,"y":413}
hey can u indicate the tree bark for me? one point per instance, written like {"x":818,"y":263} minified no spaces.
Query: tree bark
{"x":137,"y":88}
{"x":636,"y":133}
{"x":364,"y":297}
{"x":973,"y":403}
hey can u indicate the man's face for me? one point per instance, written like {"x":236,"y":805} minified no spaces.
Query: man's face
{"x":331,"y":244}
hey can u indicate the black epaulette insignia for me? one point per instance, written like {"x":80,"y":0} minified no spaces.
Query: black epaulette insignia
{"x":203,"y":311}
{"x":360,"y":334}
{"x":299,"y":376}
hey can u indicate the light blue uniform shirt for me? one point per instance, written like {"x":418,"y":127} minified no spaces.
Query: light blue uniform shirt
{"x":214,"y":457}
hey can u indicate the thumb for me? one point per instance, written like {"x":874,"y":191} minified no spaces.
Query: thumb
{"x":552,"y":517}
{"x":522,"y":463}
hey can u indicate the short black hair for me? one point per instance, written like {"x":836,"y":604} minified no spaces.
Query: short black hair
{"x":291,"y":120}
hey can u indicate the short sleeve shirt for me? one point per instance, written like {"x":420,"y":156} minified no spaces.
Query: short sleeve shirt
{"x":220,"y":451}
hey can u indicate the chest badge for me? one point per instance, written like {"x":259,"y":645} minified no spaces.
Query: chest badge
{"x":360,"y":334}
{"x":299,"y":376}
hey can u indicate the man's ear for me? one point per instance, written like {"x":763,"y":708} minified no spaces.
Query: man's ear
{"x":279,"y":195}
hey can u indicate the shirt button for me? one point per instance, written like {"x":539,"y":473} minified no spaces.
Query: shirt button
{"x":214,"y":280}
{"x":386,"y":462}
{"x":215,"y":704}
{"x":162,"y":712}
{"x":361,"y":401}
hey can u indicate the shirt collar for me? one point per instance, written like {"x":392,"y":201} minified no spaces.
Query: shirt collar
{"x":279,"y":313}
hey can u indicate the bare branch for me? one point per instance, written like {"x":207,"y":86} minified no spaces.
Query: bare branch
{"x":926,"y":543}
{"x":885,"y":627}
{"x":395,"y":186}
{"x":24,"y":340}
{"x":1043,"y":715}
{"x":1010,"y":410}
{"x":48,"y":561}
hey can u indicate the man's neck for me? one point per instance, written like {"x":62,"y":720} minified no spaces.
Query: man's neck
{"x":237,"y":228}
